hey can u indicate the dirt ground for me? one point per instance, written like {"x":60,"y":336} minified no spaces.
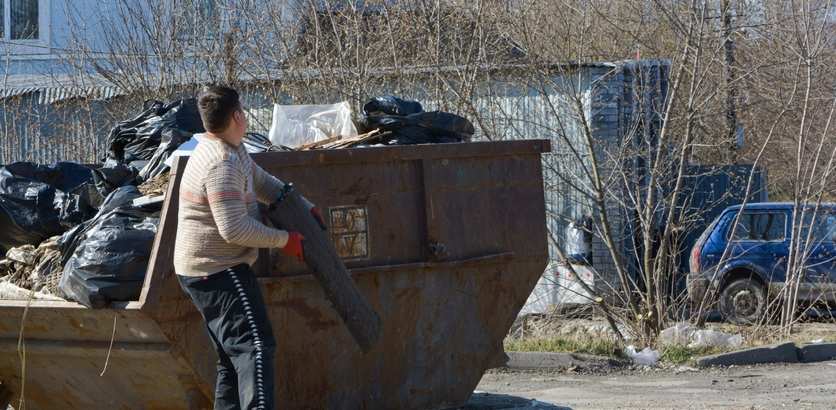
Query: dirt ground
{"x":791,"y":386}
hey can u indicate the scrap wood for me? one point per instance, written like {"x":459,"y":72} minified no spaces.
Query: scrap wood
{"x":155,"y":186}
{"x":340,"y":142}
{"x":33,"y":268}
{"x":316,"y":144}
{"x":348,"y":142}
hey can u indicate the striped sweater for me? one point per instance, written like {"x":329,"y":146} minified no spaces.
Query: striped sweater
{"x":218,"y":223}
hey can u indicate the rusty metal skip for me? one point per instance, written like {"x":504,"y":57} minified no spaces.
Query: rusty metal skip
{"x":445,"y":242}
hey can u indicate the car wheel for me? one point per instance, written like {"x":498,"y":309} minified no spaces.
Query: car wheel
{"x":743,"y":301}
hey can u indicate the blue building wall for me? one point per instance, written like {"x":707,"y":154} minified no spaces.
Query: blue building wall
{"x":85,"y":21}
{"x":44,"y":56}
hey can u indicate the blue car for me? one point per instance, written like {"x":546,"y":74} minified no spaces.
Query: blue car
{"x":756,"y":264}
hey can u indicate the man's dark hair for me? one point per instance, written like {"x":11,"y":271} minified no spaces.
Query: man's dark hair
{"x":216,"y":105}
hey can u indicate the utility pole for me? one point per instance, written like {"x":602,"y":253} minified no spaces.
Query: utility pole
{"x":229,"y":57}
{"x":731,"y":86}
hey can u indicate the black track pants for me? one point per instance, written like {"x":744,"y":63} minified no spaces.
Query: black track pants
{"x":230,"y":302}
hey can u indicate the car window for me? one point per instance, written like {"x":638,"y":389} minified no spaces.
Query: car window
{"x":824,"y":228}
{"x":761,"y":226}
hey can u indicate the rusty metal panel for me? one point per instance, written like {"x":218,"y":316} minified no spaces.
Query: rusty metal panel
{"x":445,"y":313}
{"x":482,"y":204}
{"x":389,"y":192}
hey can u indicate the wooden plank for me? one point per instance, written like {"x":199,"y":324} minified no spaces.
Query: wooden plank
{"x":161,"y":264}
{"x":339,"y":141}
{"x":345,"y":142}
{"x":318,"y":143}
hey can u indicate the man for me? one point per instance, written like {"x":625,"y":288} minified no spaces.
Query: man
{"x":218,"y":235}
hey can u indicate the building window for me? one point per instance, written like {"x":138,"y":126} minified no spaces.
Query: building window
{"x":21,"y":19}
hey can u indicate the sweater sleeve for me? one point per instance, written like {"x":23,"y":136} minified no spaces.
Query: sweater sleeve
{"x":266,"y":186}
{"x":224,"y":191}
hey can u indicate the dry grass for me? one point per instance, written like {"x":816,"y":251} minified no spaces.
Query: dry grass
{"x":552,"y":333}
{"x":600,"y":347}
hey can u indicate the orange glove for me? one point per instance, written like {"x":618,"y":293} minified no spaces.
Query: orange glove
{"x":293,"y":247}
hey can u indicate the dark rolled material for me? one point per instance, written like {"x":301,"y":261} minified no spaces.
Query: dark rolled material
{"x":293,"y":213}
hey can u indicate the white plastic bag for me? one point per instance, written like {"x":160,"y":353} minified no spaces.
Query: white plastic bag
{"x":684,"y":334}
{"x":713,"y":338}
{"x":679,"y":334}
{"x":646,"y":357}
{"x":296,"y":125}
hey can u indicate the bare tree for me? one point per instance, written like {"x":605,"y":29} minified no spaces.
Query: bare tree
{"x":520,"y":69}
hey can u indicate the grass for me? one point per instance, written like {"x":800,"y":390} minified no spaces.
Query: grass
{"x":674,"y":354}
{"x":678,"y":354}
{"x":572,"y":337}
{"x":600,"y":347}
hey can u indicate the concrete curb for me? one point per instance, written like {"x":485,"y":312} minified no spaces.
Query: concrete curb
{"x":553,"y":360}
{"x":786,"y":352}
{"x":779,"y":353}
{"x":818,"y":352}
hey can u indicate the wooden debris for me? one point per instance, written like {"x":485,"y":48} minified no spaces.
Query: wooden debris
{"x":340,"y":142}
{"x":33,"y":268}
{"x":155,"y":186}
{"x":317,"y":144}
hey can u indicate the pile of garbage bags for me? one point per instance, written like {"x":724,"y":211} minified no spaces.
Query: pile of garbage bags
{"x":108,"y":255}
{"x":85,"y":232}
{"x":386,"y":120}
{"x":38,"y":201}
{"x":146,"y":141}
{"x":82,"y":232}
{"x":72,"y":231}
{"x":404,"y":122}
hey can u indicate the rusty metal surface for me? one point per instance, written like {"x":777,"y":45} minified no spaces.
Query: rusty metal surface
{"x":449,"y":243}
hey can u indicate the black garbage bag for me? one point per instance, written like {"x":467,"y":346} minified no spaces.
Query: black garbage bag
{"x":110,"y":253}
{"x":66,"y":176}
{"x":423,"y":128}
{"x":113,"y":175}
{"x":171,"y":139}
{"x":138,"y":138}
{"x":120,"y":198}
{"x":256,"y":143}
{"x":391,"y":105}
{"x":38,"y":201}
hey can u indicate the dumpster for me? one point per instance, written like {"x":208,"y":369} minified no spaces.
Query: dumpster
{"x":445,"y":241}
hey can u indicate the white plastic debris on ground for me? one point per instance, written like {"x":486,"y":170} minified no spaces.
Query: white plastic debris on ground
{"x":685,"y":334}
{"x":645,"y":357}
{"x":295,"y":125}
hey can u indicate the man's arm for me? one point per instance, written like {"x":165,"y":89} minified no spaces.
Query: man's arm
{"x":266,"y":186}
{"x":226,"y":201}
